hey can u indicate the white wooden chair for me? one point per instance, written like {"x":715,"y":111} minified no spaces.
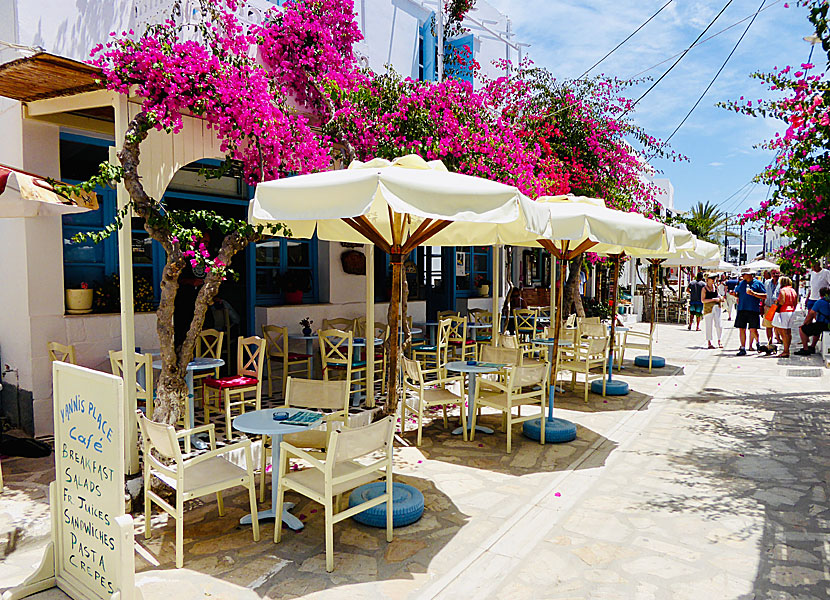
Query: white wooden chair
{"x":589,"y":353}
{"x":277,"y":354}
{"x":460,"y":347}
{"x":250,"y":355}
{"x":425,"y":394}
{"x":434,"y":358}
{"x":340,"y":323}
{"x":338,"y":356}
{"x":208,"y":345}
{"x":195,"y":477}
{"x":524,"y":322}
{"x":313,"y":394}
{"x":634,"y":340}
{"x":61,"y":352}
{"x":144,"y":372}
{"x":523,"y":386}
{"x":339,"y":473}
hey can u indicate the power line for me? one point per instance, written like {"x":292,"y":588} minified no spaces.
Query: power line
{"x":733,"y":194}
{"x":712,"y":82}
{"x":615,"y":48}
{"x":686,"y":51}
{"x":714,"y":35}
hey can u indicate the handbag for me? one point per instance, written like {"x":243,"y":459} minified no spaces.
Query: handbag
{"x":771,"y":312}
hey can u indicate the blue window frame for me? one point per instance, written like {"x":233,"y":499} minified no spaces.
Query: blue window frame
{"x":477,"y":264}
{"x":283,"y":264}
{"x":427,"y":51}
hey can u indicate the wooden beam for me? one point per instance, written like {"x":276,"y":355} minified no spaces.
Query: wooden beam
{"x":584,"y":246}
{"x":421,"y":228}
{"x":367,"y":230}
{"x":432,"y":230}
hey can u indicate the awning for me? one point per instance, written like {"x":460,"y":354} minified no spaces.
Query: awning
{"x":45,"y":75}
{"x":27,"y":195}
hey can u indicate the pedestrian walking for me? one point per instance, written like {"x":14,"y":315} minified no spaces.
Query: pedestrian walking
{"x":712,"y":312}
{"x":815,"y":323}
{"x":731,"y":299}
{"x":749,"y":292}
{"x":772,"y":287}
{"x":695,"y":301}
{"x":786,"y":302}
{"x":819,"y":278}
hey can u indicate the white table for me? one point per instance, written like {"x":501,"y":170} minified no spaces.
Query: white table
{"x":197,"y":364}
{"x":462,"y":366}
{"x":261,"y":422}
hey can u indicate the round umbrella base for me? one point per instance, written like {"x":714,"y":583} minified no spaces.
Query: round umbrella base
{"x":656,"y":361}
{"x":407,"y":504}
{"x":557,"y":431}
{"x":615,"y":387}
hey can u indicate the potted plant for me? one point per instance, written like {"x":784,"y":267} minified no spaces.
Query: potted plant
{"x":482,"y":285}
{"x":306,"y":325}
{"x":79,"y":301}
{"x":296,"y":283}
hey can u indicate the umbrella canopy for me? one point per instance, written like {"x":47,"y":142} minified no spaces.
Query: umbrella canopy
{"x":403,"y":203}
{"x":760,"y":265}
{"x":703,"y":254}
{"x":26,"y":195}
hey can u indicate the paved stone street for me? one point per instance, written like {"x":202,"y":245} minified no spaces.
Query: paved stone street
{"x":709,"y":480}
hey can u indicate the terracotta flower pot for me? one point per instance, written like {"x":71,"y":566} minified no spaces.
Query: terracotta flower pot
{"x":294,"y":297}
{"x":79,"y":301}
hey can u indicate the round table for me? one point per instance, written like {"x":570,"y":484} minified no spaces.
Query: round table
{"x":431,"y":325}
{"x":197,"y":364}
{"x":461,"y":366}
{"x":261,"y":422}
{"x":553,"y":427}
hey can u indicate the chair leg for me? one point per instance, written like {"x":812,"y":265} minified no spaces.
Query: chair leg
{"x":445,"y":416}
{"x":268,"y":367}
{"x":179,"y":529}
{"x":420,"y":424}
{"x":254,"y":513}
{"x":148,"y":508}
{"x":220,"y":503}
{"x":463,"y":412}
{"x":329,"y":535}
{"x":228,"y":428}
{"x":206,"y":404}
{"x":473,"y":424}
{"x":510,"y":429}
{"x":263,"y":462}
{"x":278,"y":508}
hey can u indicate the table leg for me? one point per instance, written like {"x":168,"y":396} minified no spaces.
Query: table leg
{"x":471,"y":391}
{"x":309,"y":349}
{"x":432,"y":329}
{"x":289,"y":519}
{"x":196,"y":441}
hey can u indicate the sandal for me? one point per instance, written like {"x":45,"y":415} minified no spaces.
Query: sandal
{"x":782,"y":355}
{"x":719,"y":344}
{"x":710,"y":347}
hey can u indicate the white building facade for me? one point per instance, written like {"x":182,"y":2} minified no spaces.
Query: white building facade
{"x":39,"y":261}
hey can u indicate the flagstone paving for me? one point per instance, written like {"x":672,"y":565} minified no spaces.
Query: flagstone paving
{"x":709,"y":480}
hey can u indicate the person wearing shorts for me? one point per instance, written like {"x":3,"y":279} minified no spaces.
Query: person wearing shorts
{"x":772,"y":287}
{"x":816,"y":323}
{"x":750,"y":291}
{"x":696,"y":301}
{"x":787,"y":300}
{"x":819,"y":278}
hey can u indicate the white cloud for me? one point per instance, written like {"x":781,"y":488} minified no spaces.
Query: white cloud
{"x":715,"y":164}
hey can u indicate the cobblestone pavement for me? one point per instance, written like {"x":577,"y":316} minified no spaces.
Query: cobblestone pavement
{"x":709,"y":480}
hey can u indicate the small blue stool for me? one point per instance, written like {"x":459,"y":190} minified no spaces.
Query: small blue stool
{"x":407,"y":504}
{"x":656,"y":361}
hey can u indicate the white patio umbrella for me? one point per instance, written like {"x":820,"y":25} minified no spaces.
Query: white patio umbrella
{"x":760,"y":265}
{"x":398,"y":206}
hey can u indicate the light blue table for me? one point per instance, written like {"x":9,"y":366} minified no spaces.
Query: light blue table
{"x":261,"y":422}
{"x":472,"y":371}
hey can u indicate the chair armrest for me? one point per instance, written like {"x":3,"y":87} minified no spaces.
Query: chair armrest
{"x":639,"y":334}
{"x":294,"y":451}
{"x":218,"y":452}
{"x":194,"y":430}
{"x":445,"y":380}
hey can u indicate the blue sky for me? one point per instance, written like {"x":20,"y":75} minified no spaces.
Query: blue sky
{"x":568,"y":36}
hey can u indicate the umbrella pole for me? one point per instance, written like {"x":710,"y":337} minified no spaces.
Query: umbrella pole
{"x":396,"y":260}
{"x":495,"y":329}
{"x":369,"y":334}
{"x":610,"y":387}
{"x":557,"y":330}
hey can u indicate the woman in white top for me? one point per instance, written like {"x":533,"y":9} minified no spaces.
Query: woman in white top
{"x":712,"y":299}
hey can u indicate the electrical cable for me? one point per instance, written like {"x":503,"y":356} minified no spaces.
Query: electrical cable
{"x":675,"y":63}
{"x":712,"y":82}
{"x":714,"y":35}
{"x":617,"y":47}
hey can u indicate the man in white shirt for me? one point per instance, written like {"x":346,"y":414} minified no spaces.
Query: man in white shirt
{"x":819,"y":278}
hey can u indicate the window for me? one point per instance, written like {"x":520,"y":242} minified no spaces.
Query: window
{"x":283,"y":266}
{"x":427,"y":51}
{"x":472,"y":269}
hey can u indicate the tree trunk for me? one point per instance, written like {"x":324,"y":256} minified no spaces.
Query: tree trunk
{"x":572,"y":299}
{"x":392,"y":318}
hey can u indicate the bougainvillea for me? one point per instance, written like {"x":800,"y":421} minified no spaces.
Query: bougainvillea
{"x":800,"y":172}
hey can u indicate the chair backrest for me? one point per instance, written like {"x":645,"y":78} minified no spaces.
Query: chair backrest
{"x":316,"y":394}
{"x":443,"y":314}
{"x":162,"y":438}
{"x":596,"y":347}
{"x":593,"y":330}
{"x":543,"y":311}
{"x":483,"y":317}
{"x":209,"y":343}
{"x":590,"y":320}
{"x":528,"y":375}
{"x":276,"y":340}
{"x":61,"y":352}
{"x":457,"y":331}
{"x":571,"y":320}
{"x":340,"y":323}
{"x":348,"y":444}
{"x":412,"y":371}
{"x":359,"y":328}
{"x":143,"y":363}
{"x":250,"y":354}
{"x":500,"y":355}
{"x":524,"y":320}
{"x":508,"y":341}
{"x":336,"y":347}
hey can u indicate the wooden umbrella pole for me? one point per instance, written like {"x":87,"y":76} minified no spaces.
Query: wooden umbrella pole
{"x":394,"y":308}
{"x":557,"y":329}
{"x":654,"y":267}
{"x":615,"y":292}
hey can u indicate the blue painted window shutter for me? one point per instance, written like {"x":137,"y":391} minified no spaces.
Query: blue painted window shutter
{"x":464,"y":47}
{"x":427,"y":51}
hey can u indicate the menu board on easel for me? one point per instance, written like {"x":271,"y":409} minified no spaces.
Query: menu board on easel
{"x":91,"y":555}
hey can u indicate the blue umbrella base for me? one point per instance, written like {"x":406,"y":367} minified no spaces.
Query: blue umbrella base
{"x":407,"y":504}
{"x":557,"y":431}
{"x":656,"y":361}
{"x":615,"y":387}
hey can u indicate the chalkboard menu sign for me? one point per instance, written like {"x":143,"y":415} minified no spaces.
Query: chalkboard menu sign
{"x":91,"y":555}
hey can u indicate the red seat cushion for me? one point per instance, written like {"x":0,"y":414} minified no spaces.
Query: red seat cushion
{"x":230,"y":382}
{"x":296,"y":356}
{"x":468,"y":342}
